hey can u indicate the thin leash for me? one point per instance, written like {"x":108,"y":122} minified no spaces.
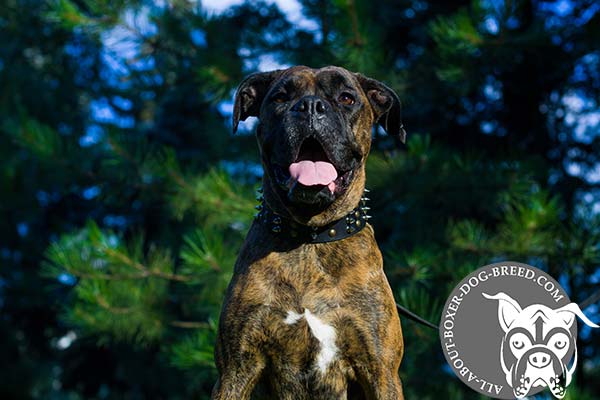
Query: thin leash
{"x":592,"y":299}
{"x":418,"y":319}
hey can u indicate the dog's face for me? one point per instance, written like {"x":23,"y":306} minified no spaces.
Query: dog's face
{"x":314,"y":134}
{"x":538,"y":345}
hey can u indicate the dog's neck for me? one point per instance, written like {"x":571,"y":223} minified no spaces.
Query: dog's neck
{"x":283,"y":227}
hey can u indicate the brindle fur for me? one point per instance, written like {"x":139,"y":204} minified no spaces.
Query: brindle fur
{"x":342,"y":283}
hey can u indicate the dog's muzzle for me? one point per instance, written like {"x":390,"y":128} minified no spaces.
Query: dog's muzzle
{"x":539,"y":366}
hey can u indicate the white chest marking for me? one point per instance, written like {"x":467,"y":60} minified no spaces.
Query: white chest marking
{"x":292,"y":317}
{"x":324,"y":333}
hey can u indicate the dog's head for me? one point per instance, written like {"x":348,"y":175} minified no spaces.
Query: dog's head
{"x":538,"y":345}
{"x":314,"y":134}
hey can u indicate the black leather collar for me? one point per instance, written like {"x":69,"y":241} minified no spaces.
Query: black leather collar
{"x":279,"y":226}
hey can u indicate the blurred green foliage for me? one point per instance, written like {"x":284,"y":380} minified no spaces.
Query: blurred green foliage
{"x":125,"y":198}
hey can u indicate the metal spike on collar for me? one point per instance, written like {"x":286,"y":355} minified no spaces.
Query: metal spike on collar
{"x":352,"y":223}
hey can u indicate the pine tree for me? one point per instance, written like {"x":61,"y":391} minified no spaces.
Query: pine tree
{"x":125,"y":198}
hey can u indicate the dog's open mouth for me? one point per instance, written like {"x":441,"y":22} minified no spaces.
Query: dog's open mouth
{"x":312,"y":167}
{"x":313,"y":171}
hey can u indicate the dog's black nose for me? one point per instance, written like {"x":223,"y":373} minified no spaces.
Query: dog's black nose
{"x":539,"y":359}
{"x":311,"y":105}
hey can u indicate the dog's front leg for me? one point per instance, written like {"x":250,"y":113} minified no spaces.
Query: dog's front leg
{"x":237,"y":377}
{"x":388,"y":387}
{"x":383,"y":384}
{"x":239,"y":356}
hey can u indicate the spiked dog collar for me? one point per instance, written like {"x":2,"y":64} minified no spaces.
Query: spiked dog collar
{"x":345,"y":227}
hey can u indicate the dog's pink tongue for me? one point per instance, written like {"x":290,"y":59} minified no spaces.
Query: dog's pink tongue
{"x":311,"y":173}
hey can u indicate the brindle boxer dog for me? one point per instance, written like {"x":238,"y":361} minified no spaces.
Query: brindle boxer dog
{"x":309,"y":313}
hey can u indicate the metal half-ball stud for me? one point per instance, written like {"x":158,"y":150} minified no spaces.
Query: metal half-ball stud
{"x":277,"y":220}
{"x":259,"y":207}
{"x":332,"y":232}
{"x":276,"y":229}
{"x":313,"y":235}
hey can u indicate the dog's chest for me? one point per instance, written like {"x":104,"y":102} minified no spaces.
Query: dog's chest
{"x":306,"y":357}
{"x":315,"y":310}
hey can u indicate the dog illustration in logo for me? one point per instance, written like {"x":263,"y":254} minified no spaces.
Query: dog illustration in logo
{"x":537,"y":345}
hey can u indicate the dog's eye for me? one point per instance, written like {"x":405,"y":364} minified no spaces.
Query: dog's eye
{"x":517,"y":344}
{"x":560,"y":344}
{"x":559,"y":341}
{"x":519,"y":341}
{"x":279,"y":98}
{"x":346,"y":99}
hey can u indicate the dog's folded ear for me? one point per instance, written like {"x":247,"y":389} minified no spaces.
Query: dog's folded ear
{"x":508,"y":309}
{"x":250,"y":95}
{"x":386,"y":105}
{"x":568,"y":313}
